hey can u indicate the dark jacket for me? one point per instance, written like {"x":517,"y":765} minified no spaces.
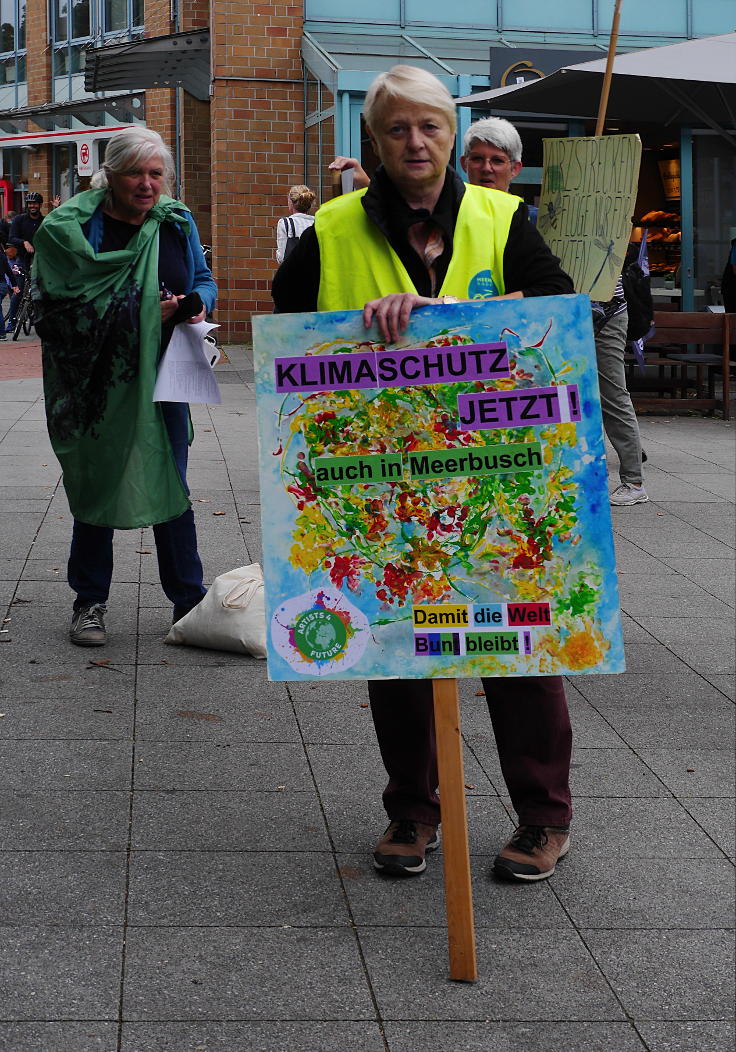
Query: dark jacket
{"x":528,"y":265}
{"x":23,"y":228}
{"x":7,"y":277}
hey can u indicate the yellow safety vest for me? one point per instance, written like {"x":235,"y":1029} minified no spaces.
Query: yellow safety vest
{"x":357,"y":263}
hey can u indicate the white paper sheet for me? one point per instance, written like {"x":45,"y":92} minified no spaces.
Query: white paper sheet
{"x":185,"y":371}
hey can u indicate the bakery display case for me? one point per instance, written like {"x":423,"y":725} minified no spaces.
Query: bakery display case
{"x":664,"y":241}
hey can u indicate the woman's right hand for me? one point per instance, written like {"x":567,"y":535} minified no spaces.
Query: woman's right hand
{"x":392,"y":312}
{"x":169,"y":307}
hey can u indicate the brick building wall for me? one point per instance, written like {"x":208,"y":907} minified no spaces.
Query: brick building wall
{"x":257,"y":121}
{"x":161,"y":102}
{"x":196,"y":173}
{"x":37,"y":163}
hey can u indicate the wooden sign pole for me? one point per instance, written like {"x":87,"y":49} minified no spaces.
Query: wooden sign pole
{"x":608,"y":75}
{"x":458,"y":893}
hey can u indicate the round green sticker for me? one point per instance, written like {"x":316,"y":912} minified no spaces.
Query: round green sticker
{"x":320,"y":635}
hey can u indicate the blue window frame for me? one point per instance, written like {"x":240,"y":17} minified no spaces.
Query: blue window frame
{"x":12,"y":51}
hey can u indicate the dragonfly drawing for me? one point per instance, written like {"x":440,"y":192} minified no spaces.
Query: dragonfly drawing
{"x":615,"y":262}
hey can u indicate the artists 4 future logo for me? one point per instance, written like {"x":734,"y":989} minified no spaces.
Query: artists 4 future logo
{"x":320,"y":632}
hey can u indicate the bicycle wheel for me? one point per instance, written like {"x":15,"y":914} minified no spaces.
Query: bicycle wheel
{"x":20,"y":319}
{"x":28,"y":320}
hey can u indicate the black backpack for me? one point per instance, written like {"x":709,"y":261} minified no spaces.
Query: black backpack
{"x":292,"y":238}
{"x":638,"y":293}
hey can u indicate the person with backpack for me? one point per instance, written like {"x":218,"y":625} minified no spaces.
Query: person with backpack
{"x":290,"y":228}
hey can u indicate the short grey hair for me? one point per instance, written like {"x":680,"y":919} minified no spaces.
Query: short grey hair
{"x":131,"y":147}
{"x":408,"y":84}
{"x":495,"y":131}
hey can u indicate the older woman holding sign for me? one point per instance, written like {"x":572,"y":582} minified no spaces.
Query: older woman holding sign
{"x":417,"y":236}
{"x":116,"y":267}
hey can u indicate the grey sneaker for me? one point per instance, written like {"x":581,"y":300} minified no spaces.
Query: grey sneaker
{"x":627,"y":493}
{"x":88,"y":626}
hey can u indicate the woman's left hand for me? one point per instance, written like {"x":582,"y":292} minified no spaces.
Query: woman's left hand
{"x":198,"y":317}
{"x":392,"y":312}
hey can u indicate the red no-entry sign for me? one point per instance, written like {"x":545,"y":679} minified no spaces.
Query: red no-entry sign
{"x":85,"y":165}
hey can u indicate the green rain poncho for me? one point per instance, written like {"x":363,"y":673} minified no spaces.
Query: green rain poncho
{"x":99,"y":319}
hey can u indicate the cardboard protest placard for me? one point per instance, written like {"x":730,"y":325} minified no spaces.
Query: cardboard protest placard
{"x":588,"y":197}
{"x":438,"y":509}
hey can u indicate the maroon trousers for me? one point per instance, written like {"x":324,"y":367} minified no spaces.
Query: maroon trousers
{"x":533,"y":734}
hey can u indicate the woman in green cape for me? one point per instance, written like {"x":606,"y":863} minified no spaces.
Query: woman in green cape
{"x":111,"y":268}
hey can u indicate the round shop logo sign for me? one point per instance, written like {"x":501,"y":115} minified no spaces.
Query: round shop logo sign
{"x":482,"y":286}
{"x":319,"y":633}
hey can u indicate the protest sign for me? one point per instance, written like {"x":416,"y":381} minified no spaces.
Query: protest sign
{"x":438,"y":509}
{"x":588,"y":196}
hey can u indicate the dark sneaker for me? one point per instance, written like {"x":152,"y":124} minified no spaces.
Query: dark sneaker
{"x":532,"y":853}
{"x":88,"y":626}
{"x":400,"y":851}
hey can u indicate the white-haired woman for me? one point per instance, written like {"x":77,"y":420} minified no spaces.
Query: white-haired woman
{"x":116,"y":267}
{"x":299,"y":201}
{"x":417,"y":236}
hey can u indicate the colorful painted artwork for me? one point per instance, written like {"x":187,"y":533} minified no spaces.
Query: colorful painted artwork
{"x":437,"y":508}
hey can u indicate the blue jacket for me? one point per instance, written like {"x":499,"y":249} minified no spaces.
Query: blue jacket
{"x":199,"y":275}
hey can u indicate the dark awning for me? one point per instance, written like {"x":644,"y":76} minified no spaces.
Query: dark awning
{"x":180,"y":60}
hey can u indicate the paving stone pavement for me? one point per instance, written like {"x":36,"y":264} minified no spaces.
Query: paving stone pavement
{"x":185,"y":847}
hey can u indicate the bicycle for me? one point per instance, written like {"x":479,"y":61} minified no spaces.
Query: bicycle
{"x":24,"y":319}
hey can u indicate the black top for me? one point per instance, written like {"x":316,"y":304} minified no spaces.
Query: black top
{"x":528,"y":265}
{"x":6,"y":272}
{"x":23,"y":228}
{"x":172,"y":265}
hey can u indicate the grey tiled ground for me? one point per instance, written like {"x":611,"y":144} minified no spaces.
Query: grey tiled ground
{"x":185,"y":847}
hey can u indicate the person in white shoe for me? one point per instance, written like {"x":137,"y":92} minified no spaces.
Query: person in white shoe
{"x":610,"y":322}
{"x":492,"y":158}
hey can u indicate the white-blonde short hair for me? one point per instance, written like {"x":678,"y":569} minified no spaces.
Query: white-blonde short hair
{"x":134,"y":146}
{"x":408,"y":84}
{"x":494,"y":131}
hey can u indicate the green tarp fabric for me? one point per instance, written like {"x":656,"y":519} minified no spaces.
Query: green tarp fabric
{"x":99,"y":319}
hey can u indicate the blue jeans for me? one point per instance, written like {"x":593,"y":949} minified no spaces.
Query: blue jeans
{"x":90,"y":565}
{"x":15,"y":298}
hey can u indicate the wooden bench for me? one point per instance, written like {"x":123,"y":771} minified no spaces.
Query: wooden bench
{"x":682,"y":361}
